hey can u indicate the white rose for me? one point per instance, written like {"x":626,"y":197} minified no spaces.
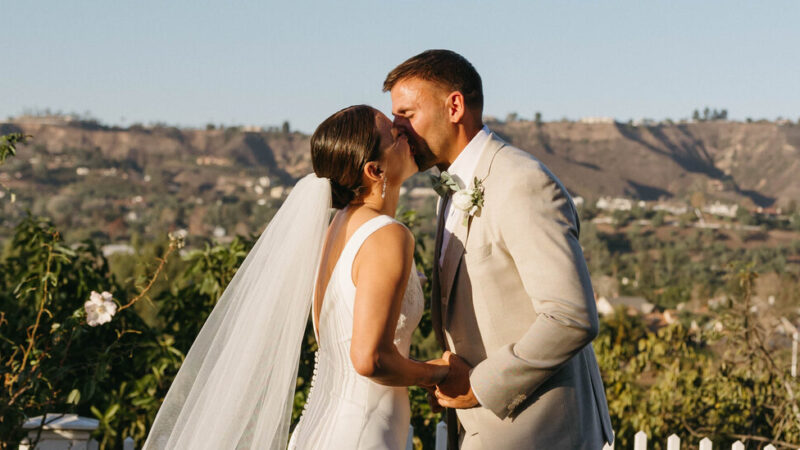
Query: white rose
{"x":100,"y":308}
{"x":463,"y":199}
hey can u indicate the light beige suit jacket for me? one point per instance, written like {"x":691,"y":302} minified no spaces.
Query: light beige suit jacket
{"x":516,"y":302}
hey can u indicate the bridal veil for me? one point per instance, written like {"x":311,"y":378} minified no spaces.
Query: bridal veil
{"x":236,"y":386}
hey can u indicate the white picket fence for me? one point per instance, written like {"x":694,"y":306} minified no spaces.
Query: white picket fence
{"x":70,"y":431}
{"x":639,"y":441}
{"x":674,"y":443}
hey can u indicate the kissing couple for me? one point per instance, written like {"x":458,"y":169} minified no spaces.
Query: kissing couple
{"x":512,"y":305}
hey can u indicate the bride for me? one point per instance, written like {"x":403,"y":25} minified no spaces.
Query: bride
{"x":355,"y":275}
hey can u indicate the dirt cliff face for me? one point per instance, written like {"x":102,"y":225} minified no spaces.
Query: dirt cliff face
{"x":284,"y":155}
{"x":746,"y":162}
{"x":752,"y":163}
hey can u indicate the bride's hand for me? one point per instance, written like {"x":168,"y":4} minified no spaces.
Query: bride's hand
{"x":439,"y":368}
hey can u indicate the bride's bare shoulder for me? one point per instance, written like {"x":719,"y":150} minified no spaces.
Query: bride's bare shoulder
{"x":392,"y":243}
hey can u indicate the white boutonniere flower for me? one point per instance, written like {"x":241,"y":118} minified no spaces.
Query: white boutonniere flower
{"x":469,"y":200}
{"x":100,"y":308}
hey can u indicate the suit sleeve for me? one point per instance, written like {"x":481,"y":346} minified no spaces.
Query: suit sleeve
{"x":538,"y":227}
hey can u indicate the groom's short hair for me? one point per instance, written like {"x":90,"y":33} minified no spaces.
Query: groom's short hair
{"x":444,"y":67}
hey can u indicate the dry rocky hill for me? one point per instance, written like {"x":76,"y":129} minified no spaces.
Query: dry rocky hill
{"x":752,"y":163}
{"x":756,"y":164}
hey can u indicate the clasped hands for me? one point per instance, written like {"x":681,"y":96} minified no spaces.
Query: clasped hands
{"x":454,"y":391}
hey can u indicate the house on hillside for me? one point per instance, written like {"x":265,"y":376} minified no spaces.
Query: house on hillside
{"x":721,"y":209}
{"x":673,"y":208}
{"x":614,"y":204}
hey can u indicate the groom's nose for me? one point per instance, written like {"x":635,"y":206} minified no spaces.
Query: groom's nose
{"x":401,"y":123}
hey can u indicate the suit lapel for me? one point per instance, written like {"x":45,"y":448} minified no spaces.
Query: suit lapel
{"x":457,"y":243}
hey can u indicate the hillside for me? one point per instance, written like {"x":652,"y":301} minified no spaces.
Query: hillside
{"x":750,"y":163}
{"x":277,"y":154}
{"x":111,"y":184}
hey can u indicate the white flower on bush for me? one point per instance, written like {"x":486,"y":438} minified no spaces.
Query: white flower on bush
{"x":100,"y":308}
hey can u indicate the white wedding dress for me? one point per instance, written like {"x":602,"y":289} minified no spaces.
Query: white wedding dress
{"x":344,"y":409}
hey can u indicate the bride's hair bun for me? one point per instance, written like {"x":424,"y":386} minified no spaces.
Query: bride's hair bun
{"x":341,"y":196}
{"x":340,"y":148}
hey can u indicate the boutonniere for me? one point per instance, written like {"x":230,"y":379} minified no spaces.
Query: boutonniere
{"x":443,"y":184}
{"x":469,"y":200}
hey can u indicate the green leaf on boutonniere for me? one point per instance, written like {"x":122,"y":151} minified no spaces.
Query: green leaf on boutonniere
{"x":444,"y":184}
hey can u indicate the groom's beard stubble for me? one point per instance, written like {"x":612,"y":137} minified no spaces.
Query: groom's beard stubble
{"x":423,"y":155}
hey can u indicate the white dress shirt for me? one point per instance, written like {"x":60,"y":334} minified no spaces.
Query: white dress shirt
{"x":463,"y":171}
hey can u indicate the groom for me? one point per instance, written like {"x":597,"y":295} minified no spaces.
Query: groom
{"x":512,"y":299}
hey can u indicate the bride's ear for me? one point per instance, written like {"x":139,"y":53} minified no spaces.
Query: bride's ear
{"x":373,"y":171}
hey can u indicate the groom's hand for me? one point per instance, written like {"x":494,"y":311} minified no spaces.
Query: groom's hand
{"x":432,"y":401}
{"x":455,"y":391}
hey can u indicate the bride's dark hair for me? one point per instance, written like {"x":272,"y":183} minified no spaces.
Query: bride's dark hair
{"x":340,"y":148}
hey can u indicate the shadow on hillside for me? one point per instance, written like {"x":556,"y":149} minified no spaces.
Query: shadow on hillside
{"x":648,"y":193}
{"x":588,"y":165}
{"x":757,"y":198}
{"x":687,"y":157}
{"x":693,"y":157}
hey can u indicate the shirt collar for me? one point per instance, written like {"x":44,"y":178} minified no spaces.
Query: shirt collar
{"x":463,"y":168}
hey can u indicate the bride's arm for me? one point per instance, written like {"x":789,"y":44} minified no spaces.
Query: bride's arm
{"x":380,"y":273}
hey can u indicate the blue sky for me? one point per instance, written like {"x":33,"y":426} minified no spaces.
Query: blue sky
{"x":189,"y":63}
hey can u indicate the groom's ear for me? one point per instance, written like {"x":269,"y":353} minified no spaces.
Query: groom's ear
{"x":455,"y":107}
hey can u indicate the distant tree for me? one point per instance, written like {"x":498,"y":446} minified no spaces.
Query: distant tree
{"x":791,"y":208}
{"x":745,"y":217}
{"x":286,"y":128}
{"x":538,"y":118}
{"x":638,"y":212}
{"x":210,"y":126}
{"x":621,"y":218}
{"x":512,"y":117}
{"x":719,"y":115}
{"x":706,"y":113}
{"x":697,"y":200}
{"x":696,"y":115}
{"x":658,"y":218}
